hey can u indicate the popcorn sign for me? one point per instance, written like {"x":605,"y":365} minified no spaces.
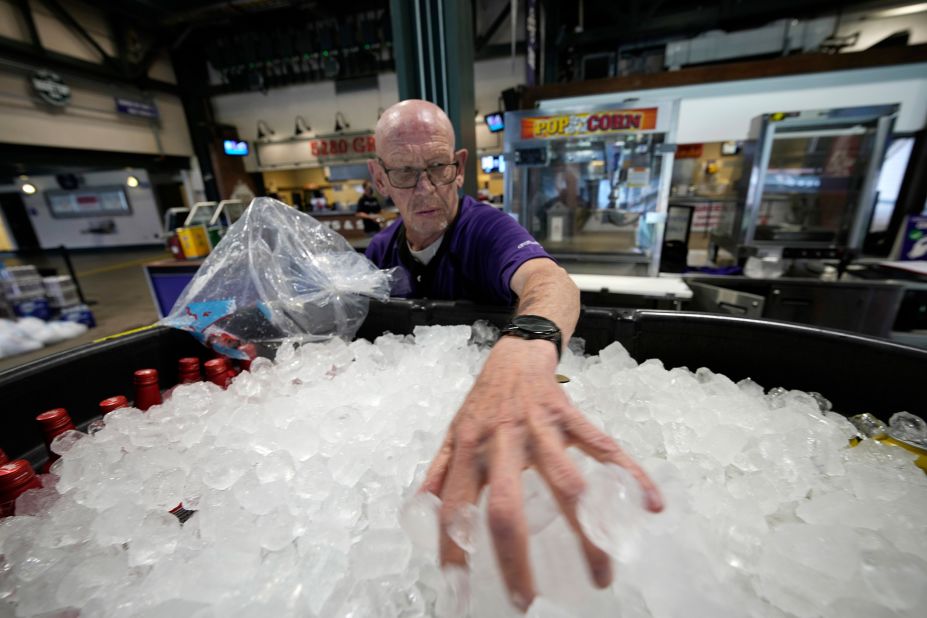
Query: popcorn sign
{"x":589,"y":123}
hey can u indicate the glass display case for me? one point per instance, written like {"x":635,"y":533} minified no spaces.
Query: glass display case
{"x":592,"y":181}
{"x":811,"y":186}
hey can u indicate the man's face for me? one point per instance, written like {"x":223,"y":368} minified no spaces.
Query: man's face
{"x":426,"y":209}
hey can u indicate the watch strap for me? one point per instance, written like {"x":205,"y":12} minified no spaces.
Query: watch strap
{"x":524,"y":330}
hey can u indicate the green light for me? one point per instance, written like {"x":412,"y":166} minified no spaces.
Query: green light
{"x":366,"y":46}
{"x":325,"y":53}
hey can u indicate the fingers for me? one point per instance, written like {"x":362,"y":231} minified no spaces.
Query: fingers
{"x":604,"y":449}
{"x":567,"y":485}
{"x":461,"y":488}
{"x":437,"y":471}
{"x":506,"y":514}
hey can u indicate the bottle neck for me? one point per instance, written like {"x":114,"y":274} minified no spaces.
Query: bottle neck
{"x":16,"y":478}
{"x":147,"y":395}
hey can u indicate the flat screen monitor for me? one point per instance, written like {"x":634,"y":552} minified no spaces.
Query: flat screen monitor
{"x":492,"y":163}
{"x":235,"y":148}
{"x":495,"y":122}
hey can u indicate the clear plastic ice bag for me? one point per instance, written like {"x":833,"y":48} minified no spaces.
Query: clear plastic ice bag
{"x":277,"y":274}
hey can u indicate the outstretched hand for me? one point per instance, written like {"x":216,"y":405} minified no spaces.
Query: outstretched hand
{"x":516,"y":416}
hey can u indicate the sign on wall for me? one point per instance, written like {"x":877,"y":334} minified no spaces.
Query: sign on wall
{"x":49,"y":87}
{"x":88,"y":202}
{"x":321,"y":150}
{"x":589,"y":123}
{"x":132,"y":107}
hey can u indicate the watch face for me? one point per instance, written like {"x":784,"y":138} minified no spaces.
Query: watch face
{"x":535,"y":324}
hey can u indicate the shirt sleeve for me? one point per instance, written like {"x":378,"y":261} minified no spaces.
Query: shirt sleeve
{"x":500,"y":246}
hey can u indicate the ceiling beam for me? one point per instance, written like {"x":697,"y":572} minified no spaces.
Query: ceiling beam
{"x":28,"y":55}
{"x":483,"y":39}
{"x":68,"y":20}
{"x":26,"y":11}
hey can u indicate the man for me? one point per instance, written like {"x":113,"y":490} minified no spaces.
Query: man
{"x":516,"y":414}
{"x":367,"y":206}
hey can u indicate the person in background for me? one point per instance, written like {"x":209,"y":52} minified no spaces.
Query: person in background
{"x":368,"y":206}
{"x":318,"y":201}
{"x":517,"y":414}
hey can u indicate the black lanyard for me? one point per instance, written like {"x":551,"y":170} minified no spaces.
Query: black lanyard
{"x":423,"y":275}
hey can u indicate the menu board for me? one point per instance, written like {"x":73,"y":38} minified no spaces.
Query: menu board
{"x":88,"y":202}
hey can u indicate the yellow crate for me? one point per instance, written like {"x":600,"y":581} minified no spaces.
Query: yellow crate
{"x":194,"y":240}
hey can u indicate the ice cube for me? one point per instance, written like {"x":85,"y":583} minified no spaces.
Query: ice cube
{"x":87,"y":578}
{"x":895,"y":579}
{"x":540,"y":506}
{"x":165,"y":489}
{"x":155,"y":538}
{"x":277,"y":529}
{"x":464,"y":527}
{"x":419,"y":520}
{"x":36,"y":501}
{"x":256,"y":497}
{"x":223,"y":468}
{"x":380,"y":553}
{"x":118,"y":524}
{"x":611,"y":510}
{"x":905,"y":426}
{"x":66,"y":441}
{"x":275,"y":466}
{"x":321,"y":573}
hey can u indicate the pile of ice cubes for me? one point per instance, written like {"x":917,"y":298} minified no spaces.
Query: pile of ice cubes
{"x":303,"y":476}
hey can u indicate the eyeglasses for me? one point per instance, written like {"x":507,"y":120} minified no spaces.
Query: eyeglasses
{"x":407,"y":177}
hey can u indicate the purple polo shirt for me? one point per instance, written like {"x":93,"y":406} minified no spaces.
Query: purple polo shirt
{"x":481,"y":250}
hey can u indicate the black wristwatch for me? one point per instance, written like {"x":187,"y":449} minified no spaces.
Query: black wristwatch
{"x":534,"y":327}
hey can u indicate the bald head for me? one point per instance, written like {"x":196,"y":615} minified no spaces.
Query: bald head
{"x":415,"y":139}
{"x":412,"y":121}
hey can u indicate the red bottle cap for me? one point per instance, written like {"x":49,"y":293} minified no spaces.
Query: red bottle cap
{"x":16,"y":475}
{"x":218,"y":372}
{"x":113,"y":403}
{"x":188,"y":370}
{"x":215,"y":366}
{"x":55,"y":421}
{"x":146,"y":376}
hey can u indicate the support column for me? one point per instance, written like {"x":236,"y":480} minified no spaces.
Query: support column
{"x":193,"y":78}
{"x":433,"y":47}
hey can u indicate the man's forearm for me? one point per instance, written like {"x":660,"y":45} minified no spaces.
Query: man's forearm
{"x":547,"y":290}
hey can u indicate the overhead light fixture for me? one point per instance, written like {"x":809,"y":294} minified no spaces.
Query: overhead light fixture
{"x":29,"y":188}
{"x":132,"y":182}
{"x":341,"y":122}
{"x":264,"y":131}
{"x":302,"y":126}
{"x":902,"y":10}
